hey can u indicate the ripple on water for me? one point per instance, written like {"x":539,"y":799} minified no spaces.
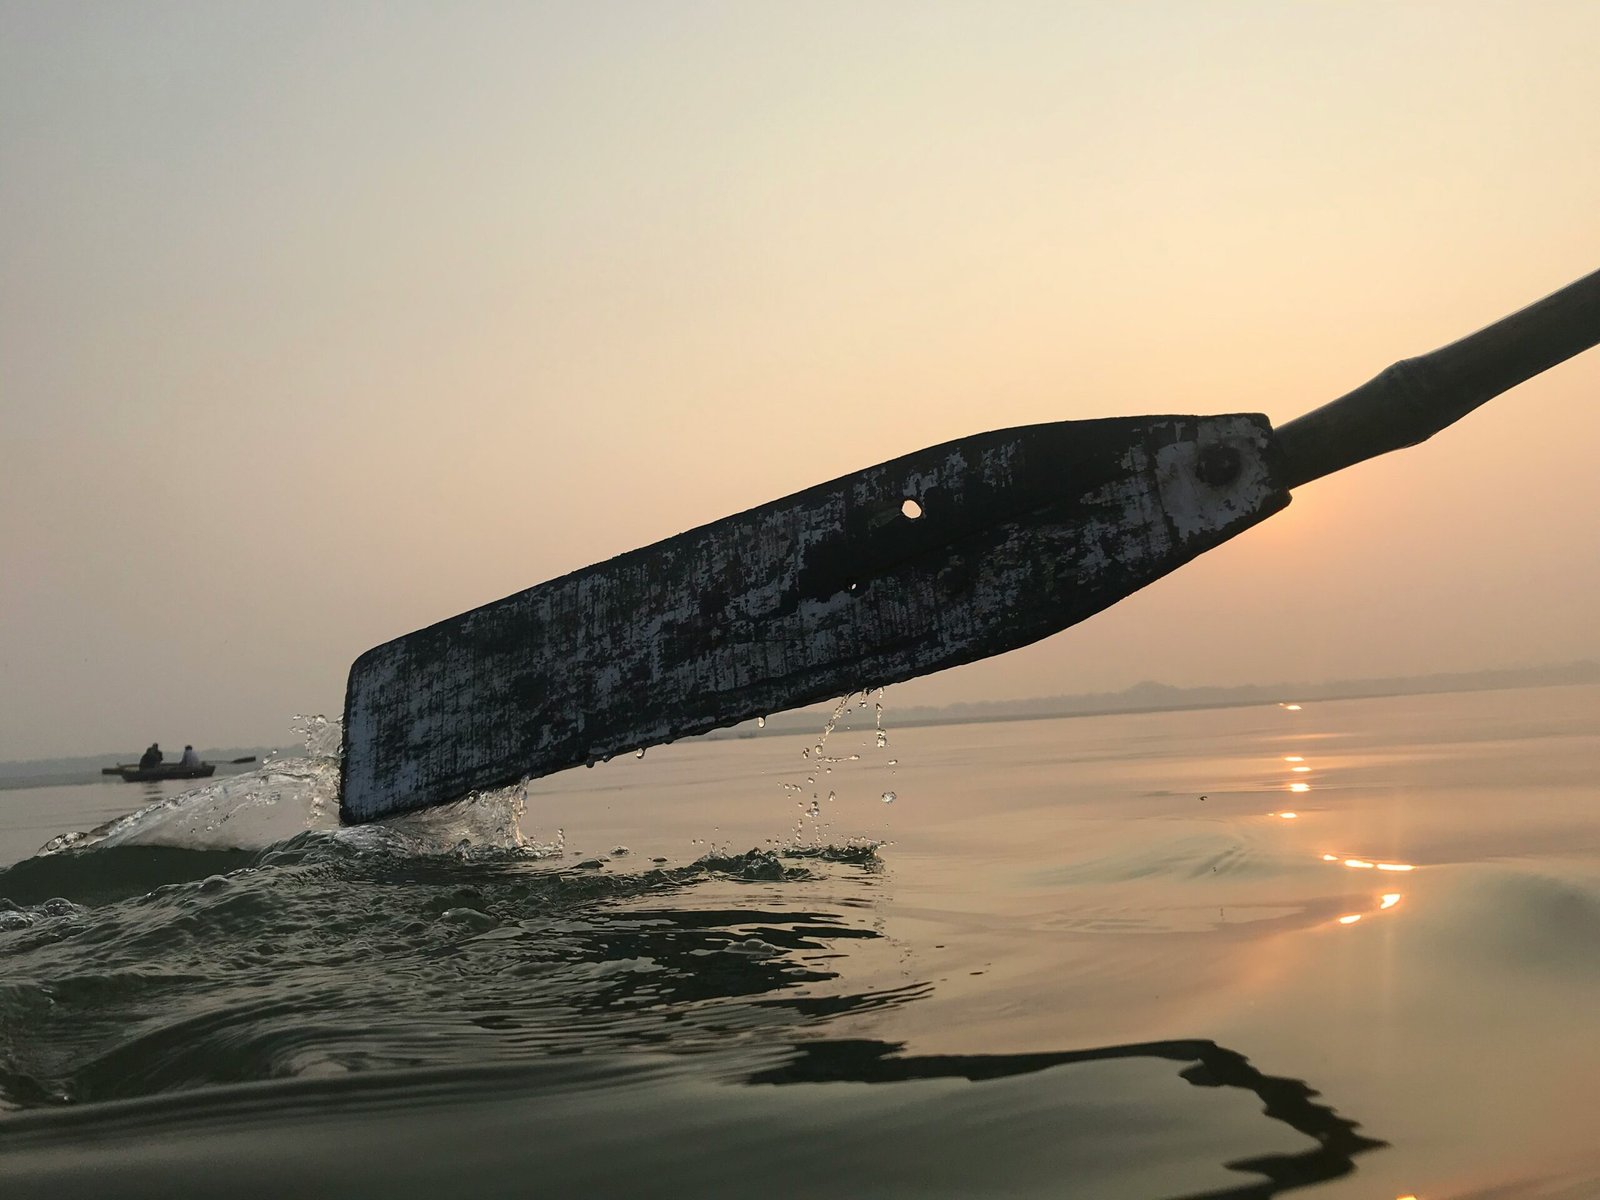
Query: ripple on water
{"x":184,"y":946}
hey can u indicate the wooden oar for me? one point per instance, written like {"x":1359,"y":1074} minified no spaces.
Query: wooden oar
{"x":938,"y":558}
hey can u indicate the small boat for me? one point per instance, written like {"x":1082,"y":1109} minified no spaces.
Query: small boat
{"x":138,"y":774}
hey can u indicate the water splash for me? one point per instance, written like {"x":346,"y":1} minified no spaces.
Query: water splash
{"x":483,"y":823}
{"x":822,"y":763}
{"x":323,"y":737}
{"x":281,"y":799}
{"x":285,"y":798}
{"x":814,"y":753}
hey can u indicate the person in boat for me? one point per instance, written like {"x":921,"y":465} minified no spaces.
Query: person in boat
{"x":151,"y":757}
{"x":190,"y":758}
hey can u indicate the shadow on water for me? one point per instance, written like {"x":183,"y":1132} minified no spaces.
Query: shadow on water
{"x":1211,"y":1066}
{"x":232,"y":1003}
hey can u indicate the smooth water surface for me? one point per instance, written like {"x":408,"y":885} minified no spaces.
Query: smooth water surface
{"x":1351,"y":948}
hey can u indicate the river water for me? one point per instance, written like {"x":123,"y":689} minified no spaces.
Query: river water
{"x":1349,"y":949}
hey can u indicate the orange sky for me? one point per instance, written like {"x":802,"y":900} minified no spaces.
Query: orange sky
{"x":316,"y":327}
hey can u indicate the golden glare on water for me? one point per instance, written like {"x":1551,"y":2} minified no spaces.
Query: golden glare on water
{"x":1363,"y":864}
{"x":1294,"y":758}
{"x":1288,"y":816}
{"x":1299,"y":787}
{"x":1299,"y":770}
{"x":1291,"y":707}
{"x":1386,"y":901}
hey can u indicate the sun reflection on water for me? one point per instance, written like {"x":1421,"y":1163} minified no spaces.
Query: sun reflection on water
{"x":1386,"y":901}
{"x":1366,"y":864}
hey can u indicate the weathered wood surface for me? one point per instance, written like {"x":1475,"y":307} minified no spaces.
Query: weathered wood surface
{"x":1022,"y":533}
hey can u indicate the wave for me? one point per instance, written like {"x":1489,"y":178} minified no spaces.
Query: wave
{"x":237,"y":933}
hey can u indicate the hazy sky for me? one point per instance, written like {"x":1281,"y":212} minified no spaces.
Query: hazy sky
{"x":319,"y":323}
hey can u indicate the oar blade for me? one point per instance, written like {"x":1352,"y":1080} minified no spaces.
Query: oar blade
{"x":1014,"y":535}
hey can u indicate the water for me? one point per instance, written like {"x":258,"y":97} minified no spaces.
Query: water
{"x":1089,"y":957}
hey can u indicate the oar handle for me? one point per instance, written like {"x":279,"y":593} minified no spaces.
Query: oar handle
{"x":1416,"y":397}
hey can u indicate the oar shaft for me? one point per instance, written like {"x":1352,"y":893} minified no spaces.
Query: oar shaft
{"x":1416,"y":397}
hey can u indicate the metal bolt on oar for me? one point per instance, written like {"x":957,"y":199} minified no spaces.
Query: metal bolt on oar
{"x":938,"y":558}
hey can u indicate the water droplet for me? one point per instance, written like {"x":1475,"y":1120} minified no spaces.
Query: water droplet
{"x":883,"y":739}
{"x":888,"y":797}
{"x":814,"y":809}
{"x":805,"y":751}
{"x":761,"y":722}
{"x":639,"y":753}
{"x":830,"y":797}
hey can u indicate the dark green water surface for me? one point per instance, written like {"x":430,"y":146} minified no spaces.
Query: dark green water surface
{"x":1072,"y":958}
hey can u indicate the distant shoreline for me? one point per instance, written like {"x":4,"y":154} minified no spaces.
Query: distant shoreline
{"x":1293,"y":697}
{"x":85,"y":768}
{"x":1151,"y":697}
{"x":1146,"y":697}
